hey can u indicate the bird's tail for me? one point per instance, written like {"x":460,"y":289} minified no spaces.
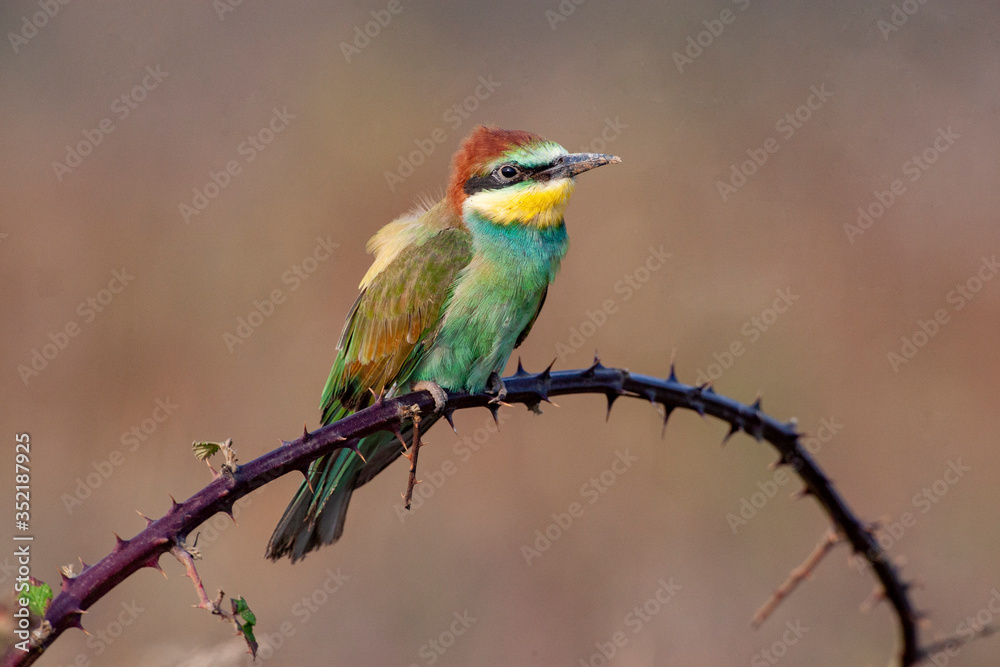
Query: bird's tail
{"x":316,"y":515}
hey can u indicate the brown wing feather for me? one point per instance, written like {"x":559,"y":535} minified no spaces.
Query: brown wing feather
{"x":386,"y":330}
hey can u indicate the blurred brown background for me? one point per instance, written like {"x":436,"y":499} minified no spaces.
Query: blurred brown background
{"x":605,"y":78}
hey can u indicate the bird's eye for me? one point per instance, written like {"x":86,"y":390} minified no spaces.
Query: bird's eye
{"x":508,"y":171}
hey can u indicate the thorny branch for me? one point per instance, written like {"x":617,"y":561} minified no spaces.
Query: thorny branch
{"x":81,"y":590}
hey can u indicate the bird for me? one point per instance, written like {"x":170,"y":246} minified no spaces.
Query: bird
{"x":453,"y":289}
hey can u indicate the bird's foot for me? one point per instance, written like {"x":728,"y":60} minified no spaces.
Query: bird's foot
{"x":495,"y":386}
{"x":437,"y":393}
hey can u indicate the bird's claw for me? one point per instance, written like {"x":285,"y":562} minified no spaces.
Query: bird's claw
{"x":439,"y":395}
{"x":495,"y":386}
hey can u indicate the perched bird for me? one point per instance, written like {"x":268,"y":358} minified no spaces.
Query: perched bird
{"x":452,"y":291}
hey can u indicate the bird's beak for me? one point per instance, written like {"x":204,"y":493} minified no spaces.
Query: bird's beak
{"x":567,"y":166}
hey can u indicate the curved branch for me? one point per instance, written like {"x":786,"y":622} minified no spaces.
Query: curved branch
{"x":160,"y":536}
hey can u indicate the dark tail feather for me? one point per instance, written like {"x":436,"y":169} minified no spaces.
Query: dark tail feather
{"x":310,"y":522}
{"x":302,"y":528}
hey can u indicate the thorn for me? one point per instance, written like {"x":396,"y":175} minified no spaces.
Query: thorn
{"x":354,"y":448}
{"x":667,"y":410}
{"x":83,"y":566}
{"x":65,"y":579}
{"x":756,"y":404}
{"x":448,"y":414}
{"x":145,"y":518}
{"x":119,"y":543}
{"x":74,"y":621}
{"x":801,"y":493}
{"x":494,"y":409}
{"x":305,"y":432}
{"x":174,"y":506}
{"x":395,"y":430}
{"x":304,"y":469}
{"x":154,"y":562}
{"x":520,"y":369}
{"x":596,"y":366}
{"x":673,"y":368}
{"x":612,"y":397}
{"x":547,"y":373}
{"x":733,"y":428}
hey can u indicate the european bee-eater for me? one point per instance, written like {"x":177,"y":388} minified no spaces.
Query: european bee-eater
{"x":454,"y":288}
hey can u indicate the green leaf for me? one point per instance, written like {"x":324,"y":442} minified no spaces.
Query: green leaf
{"x":243,"y":609}
{"x":249,"y":620}
{"x":39,"y":596}
{"x":204,"y":450}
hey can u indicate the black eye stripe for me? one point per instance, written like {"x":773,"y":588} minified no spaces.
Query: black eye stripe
{"x":492,"y":182}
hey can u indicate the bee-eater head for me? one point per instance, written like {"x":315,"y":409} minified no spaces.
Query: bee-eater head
{"x":516,"y":177}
